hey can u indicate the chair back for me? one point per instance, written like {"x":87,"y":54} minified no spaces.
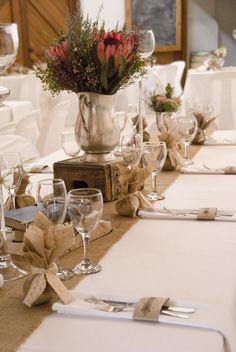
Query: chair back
{"x":178,"y":90}
{"x":50,"y":134}
{"x":27,"y":127}
{"x":12,"y":143}
{"x":8,"y":128}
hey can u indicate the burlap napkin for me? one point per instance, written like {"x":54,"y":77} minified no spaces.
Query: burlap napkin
{"x":22,"y":199}
{"x":43,"y":244}
{"x":130,"y":182}
{"x":203,"y":121}
{"x":173,"y":158}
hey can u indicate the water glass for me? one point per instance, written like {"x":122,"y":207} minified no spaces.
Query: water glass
{"x":187,"y":128}
{"x":69,"y":143}
{"x":85,"y":207}
{"x":131,"y":148}
{"x":155,"y":155}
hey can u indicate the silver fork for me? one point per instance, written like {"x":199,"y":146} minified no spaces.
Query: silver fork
{"x":119,"y":308}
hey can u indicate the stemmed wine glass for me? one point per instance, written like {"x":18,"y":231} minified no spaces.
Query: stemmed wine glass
{"x":131,"y":148}
{"x":69,"y":143}
{"x":11,"y":172}
{"x":147,"y":47}
{"x":155,"y":154}
{"x":187,"y":128}
{"x":8,"y":50}
{"x":52,"y":201}
{"x":85,"y":207}
{"x":119,"y":122}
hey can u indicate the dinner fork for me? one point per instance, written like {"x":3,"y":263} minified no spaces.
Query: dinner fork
{"x":119,"y":308}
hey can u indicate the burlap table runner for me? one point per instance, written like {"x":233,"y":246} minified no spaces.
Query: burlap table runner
{"x":17,"y":321}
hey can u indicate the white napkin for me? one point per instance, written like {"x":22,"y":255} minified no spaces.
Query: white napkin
{"x":38,"y":168}
{"x":175,"y":214}
{"x":205,"y":317}
{"x":213,"y":141}
{"x":202,"y":170}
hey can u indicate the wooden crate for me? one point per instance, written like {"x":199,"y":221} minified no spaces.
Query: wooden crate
{"x":78,"y":174}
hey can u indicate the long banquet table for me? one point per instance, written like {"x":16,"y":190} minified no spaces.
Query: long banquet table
{"x":188,"y":261}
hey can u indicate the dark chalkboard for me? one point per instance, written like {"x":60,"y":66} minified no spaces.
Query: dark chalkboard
{"x":162,"y":16}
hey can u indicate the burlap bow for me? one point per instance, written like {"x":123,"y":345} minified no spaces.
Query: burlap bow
{"x":43,"y":244}
{"x":146,"y":135}
{"x":130,"y":182}
{"x":173,"y":158}
{"x":22,"y":199}
{"x":203,"y":121}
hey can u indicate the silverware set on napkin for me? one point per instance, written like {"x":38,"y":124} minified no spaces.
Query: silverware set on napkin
{"x":185,"y":212}
{"x":110,"y":306}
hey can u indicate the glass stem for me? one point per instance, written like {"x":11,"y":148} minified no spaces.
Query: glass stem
{"x":186,"y":150}
{"x":140,"y":115}
{"x":12,"y":198}
{"x":154,"y":181}
{"x":86,"y":238}
{"x":3,"y":239}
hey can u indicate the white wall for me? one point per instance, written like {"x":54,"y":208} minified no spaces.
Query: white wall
{"x":113,"y":11}
{"x":202,"y":26}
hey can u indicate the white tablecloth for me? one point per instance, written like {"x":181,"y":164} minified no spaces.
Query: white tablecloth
{"x":13,"y":110}
{"x":186,"y":260}
{"x":217,"y":88}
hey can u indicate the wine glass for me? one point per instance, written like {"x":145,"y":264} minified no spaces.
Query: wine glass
{"x":131,"y":148}
{"x":119,"y":122}
{"x":69,"y":143}
{"x":85,"y":207}
{"x":155,"y":154}
{"x":147,"y":47}
{"x":11,"y":172}
{"x":187,"y":128}
{"x":132,"y":117}
{"x":8,"y":50}
{"x":52,"y":201}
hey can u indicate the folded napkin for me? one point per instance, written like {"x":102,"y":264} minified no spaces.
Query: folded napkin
{"x":38,"y":168}
{"x":212,"y":141}
{"x":227,"y":170}
{"x":188,"y":214}
{"x":207,"y":317}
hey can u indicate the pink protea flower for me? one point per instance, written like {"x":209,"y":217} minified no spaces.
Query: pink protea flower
{"x":58,"y":51}
{"x":114,"y":45}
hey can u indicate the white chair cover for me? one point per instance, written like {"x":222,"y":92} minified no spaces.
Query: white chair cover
{"x":13,"y":143}
{"x":27,"y":127}
{"x":8,"y":128}
{"x":50,"y":134}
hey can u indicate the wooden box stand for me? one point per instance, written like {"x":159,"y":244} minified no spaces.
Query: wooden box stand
{"x":78,"y":174}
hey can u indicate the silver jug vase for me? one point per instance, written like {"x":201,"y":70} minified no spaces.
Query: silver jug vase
{"x":94,"y":129}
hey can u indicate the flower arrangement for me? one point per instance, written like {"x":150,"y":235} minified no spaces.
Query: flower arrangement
{"x":87,"y":58}
{"x":166,"y":102}
{"x":220,"y":52}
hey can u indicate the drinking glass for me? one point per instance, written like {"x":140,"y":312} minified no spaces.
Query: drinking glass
{"x":155,"y":155}
{"x":85,"y":207}
{"x":131,"y":148}
{"x":69,"y":143}
{"x":8,"y":50}
{"x":52,"y":201}
{"x":11,"y":172}
{"x":147,"y":47}
{"x":187,"y":128}
{"x":119,"y":122}
{"x":166,"y":122}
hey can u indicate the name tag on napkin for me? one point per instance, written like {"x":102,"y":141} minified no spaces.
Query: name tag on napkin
{"x":149,"y":308}
{"x":206,"y":213}
{"x":230,"y":170}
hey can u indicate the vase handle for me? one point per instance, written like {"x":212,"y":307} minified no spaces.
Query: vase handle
{"x":83,"y":102}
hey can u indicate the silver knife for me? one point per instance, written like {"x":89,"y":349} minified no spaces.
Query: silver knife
{"x":165,"y":308}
